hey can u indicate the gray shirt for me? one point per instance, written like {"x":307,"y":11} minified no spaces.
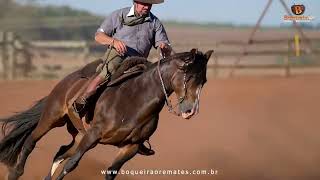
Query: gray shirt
{"x":139,"y":38}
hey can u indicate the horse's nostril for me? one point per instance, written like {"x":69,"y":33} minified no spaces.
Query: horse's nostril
{"x":189,"y":111}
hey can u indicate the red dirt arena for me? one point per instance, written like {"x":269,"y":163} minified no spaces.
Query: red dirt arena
{"x":248,"y":128}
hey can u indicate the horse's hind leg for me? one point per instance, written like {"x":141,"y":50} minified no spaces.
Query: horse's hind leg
{"x":126,"y":153}
{"x":89,"y":140}
{"x":45,"y":124}
{"x":65,"y":151}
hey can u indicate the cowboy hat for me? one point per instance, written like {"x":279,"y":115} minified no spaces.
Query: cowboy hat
{"x":150,"y":1}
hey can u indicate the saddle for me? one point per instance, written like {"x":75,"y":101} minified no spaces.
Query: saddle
{"x":131,"y":67}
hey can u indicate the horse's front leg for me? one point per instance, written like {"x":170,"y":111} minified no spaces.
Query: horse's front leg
{"x":126,"y":153}
{"x":90,"y":140}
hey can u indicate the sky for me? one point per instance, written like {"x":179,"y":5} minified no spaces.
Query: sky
{"x":202,"y":11}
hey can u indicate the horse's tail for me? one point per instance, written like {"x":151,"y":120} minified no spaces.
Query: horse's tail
{"x":20,"y":126}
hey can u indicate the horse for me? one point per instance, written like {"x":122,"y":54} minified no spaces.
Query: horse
{"x":125,"y":115}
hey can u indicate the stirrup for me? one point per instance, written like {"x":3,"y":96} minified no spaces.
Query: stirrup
{"x":147,"y":151}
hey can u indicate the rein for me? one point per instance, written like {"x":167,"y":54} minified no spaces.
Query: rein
{"x":181,"y":98}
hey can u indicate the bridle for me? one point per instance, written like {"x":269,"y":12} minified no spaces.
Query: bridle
{"x":181,"y":98}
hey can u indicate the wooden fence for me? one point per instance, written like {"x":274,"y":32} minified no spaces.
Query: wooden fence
{"x":16,"y":55}
{"x":308,"y":49}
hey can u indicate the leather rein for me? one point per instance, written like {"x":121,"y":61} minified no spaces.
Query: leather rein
{"x":181,"y":98}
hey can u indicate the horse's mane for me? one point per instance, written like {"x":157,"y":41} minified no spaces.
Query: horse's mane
{"x":176,"y":56}
{"x":168,"y":59}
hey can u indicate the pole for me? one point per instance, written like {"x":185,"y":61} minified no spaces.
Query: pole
{"x":9,"y":50}
{"x":2,"y":55}
{"x":297,"y":44}
{"x":287,"y":62}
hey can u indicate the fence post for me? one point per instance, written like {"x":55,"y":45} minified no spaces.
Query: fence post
{"x":216,"y":66}
{"x":9,"y":55}
{"x":2,"y":55}
{"x":215,"y":61}
{"x":86,"y":52}
{"x":287,"y":61}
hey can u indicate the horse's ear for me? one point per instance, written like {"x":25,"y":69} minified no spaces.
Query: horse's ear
{"x":208,"y":54}
{"x":194,"y":51}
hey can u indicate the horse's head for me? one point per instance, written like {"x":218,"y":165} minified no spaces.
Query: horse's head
{"x":188,"y":80}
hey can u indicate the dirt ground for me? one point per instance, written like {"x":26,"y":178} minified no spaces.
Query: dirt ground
{"x":248,"y":128}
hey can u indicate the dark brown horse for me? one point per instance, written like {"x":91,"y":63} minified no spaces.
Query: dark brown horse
{"x":125,"y":115}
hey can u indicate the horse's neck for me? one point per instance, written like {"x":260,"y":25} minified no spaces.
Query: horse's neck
{"x":167,"y":72}
{"x":153,"y":78}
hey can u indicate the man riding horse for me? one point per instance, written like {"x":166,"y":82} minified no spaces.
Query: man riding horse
{"x":127,"y":32}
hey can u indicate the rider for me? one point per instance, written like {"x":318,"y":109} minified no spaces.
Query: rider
{"x":130,"y":31}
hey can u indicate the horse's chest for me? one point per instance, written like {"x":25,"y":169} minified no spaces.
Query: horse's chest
{"x":149,"y":128}
{"x":143,"y":130}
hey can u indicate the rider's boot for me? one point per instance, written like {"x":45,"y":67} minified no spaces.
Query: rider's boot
{"x":81,"y":101}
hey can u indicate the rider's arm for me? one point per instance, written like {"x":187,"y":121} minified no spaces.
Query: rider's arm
{"x":108,"y":28}
{"x":161,"y":38}
{"x":103,"y":39}
{"x":106,"y":31}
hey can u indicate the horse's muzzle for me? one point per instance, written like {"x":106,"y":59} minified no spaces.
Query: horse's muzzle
{"x":195,"y":107}
{"x":188,"y":114}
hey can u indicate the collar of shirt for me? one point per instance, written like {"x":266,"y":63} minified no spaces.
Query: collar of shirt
{"x":131,"y":13}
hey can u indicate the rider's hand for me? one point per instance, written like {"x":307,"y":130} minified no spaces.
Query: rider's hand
{"x":165,"y":49}
{"x":120,"y":46}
